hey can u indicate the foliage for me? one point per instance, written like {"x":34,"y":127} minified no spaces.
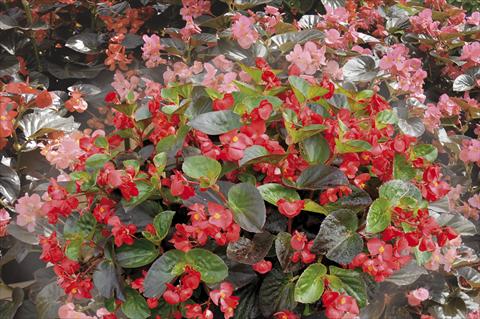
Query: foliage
{"x":246,"y":159}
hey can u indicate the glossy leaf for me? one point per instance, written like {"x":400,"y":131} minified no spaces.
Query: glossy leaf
{"x":250,"y":251}
{"x":135,"y":306}
{"x":212,"y":268}
{"x":248,"y":207}
{"x":163,"y":270}
{"x":379,"y":215}
{"x":351,"y":282}
{"x":276,"y":293}
{"x":141,"y":253}
{"x":309,"y":287}
{"x":337,"y":237}
{"x":216,"y":123}
{"x":202,"y":168}
{"x":321,"y":177}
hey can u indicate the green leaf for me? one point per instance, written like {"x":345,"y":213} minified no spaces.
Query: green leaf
{"x":309,"y":287}
{"x":250,"y":251}
{"x":106,"y":280}
{"x":162,"y":223}
{"x":202,"y":168}
{"x":313,"y":206}
{"x":141,"y":253}
{"x":379,"y":215}
{"x":145,"y":189}
{"x":351,"y":282}
{"x":101,"y":142}
{"x":163,"y":270}
{"x":321,"y":177}
{"x":272,"y":192}
{"x":285,"y":251}
{"x":73,"y":249}
{"x":337,"y":237}
{"x":463,"y":82}
{"x":304,"y":90}
{"x":259,"y":154}
{"x":216,"y":123}
{"x":402,"y":169}
{"x":395,"y":190}
{"x":427,"y":151}
{"x":276,"y":293}
{"x":362,"y":68}
{"x":356,"y":201}
{"x":96,"y":161}
{"x":135,"y":306}
{"x":385,"y":117}
{"x":351,"y":146}
{"x":248,"y":207}
{"x":212,"y":268}
{"x":315,"y":149}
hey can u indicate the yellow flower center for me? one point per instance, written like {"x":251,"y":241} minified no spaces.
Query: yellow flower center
{"x":235,"y":139}
{"x":381,"y":249}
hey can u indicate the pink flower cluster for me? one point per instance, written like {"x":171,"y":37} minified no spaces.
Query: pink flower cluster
{"x":194,"y":8}
{"x":151,"y":51}
{"x":65,"y":152}
{"x":67,"y":311}
{"x":306,"y":60}
{"x":408,"y":73}
{"x":244,"y":31}
{"x":470,"y":152}
{"x":29,"y":209}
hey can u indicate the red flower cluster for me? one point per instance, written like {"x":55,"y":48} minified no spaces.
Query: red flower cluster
{"x":339,"y":305}
{"x":383,"y":259}
{"x":432,"y":187}
{"x":331,"y":195}
{"x":123,"y":234}
{"x":223,"y":298}
{"x":70,"y":278}
{"x":189,"y":281}
{"x":111,"y":178}
{"x":302,"y":246}
{"x":60,"y":203}
{"x":217,"y":224}
{"x":262,"y":267}
{"x":424,"y":229}
{"x":179,"y":185}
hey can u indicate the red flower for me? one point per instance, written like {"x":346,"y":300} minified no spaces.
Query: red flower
{"x":123,"y":234}
{"x":179,"y":186}
{"x":339,"y":306}
{"x":104,"y":210}
{"x":290,"y":209}
{"x":223,"y":104}
{"x":51,"y":251}
{"x":219,"y":215}
{"x":285,"y":314}
{"x":223,"y":297}
{"x":262,"y":267}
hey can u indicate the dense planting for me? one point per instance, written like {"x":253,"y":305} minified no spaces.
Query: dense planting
{"x":241,"y":159}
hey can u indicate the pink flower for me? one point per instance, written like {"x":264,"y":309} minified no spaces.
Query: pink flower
{"x":474,"y":18}
{"x":151,"y":51}
{"x":244,"y":32}
{"x":194,"y":8}
{"x":470,"y":151}
{"x":474,"y":201}
{"x":222,"y":63}
{"x":333,"y":70}
{"x":308,"y":59}
{"x":65,"y":152}
{"x":447,"y":106}
{"x":29,"y":208}
{"x":189,"y":29}
{"x":454,"y":195}
{"x":415,"y":297}
{"x":124,"y":86}
{"x":432,"y":117}
{"x":423,"y":23}
{"x":67,"y":311}
{"x":471,"y":52}
{"x":336,"y":16}
{"x":4,"y":221}
{"x":332,"y":37}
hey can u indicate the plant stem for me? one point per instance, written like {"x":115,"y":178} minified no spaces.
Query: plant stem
{"x":28,"y":13}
